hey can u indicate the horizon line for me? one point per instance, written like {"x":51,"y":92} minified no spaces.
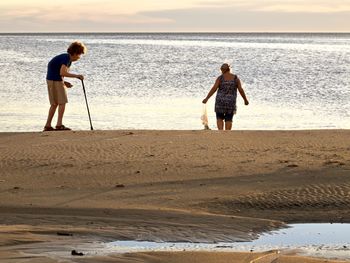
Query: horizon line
{"x":179,"y":32}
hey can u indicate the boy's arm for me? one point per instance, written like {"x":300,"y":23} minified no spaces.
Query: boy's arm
{"x":241,"y":91}
{"x":212,"y":91}
{"x":64,"y":73}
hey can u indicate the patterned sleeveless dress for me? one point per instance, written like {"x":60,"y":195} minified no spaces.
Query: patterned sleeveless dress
{"x":226,"y":96}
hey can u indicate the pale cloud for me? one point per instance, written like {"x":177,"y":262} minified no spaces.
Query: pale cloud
{"x":82,"y":11}
{"x":18,"y":13}
{"x":300,"y":6}
{"x":233,"y":19}
{"x":179,"y":15}
{"x":109,"y":6}
{"x":310,"y":8}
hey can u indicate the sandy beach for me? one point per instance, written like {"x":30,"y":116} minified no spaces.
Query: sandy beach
{"x":197,"y":186}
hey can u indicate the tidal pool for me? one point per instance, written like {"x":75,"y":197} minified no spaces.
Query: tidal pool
{"x":318,"y":240}
{"x":330,"y":241}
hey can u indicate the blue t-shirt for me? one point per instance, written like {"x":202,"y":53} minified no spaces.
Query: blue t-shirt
{"x":54,"y":66}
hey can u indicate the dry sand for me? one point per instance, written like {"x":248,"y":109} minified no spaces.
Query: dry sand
{"x":167,"y":185}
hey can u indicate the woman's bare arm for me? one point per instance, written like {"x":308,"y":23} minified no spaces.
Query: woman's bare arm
{"x":212,"y":91}
{"x":241,"y":91}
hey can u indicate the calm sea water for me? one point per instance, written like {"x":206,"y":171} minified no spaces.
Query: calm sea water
{"x":157,"y":81}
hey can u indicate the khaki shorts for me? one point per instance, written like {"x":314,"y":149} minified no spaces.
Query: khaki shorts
{"x":57,"y":92}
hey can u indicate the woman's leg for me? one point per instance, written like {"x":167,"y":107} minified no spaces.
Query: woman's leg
{"x":61,"y":109}
{"x":52,"y":111}
{"x":228,"y":125}
{"x":220,"y":124}
{"x":228,"y":121}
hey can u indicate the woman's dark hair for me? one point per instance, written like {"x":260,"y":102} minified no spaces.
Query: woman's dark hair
{"x":76,"y":48}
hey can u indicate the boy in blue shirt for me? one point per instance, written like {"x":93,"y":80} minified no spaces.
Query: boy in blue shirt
{"x":57,"y":69}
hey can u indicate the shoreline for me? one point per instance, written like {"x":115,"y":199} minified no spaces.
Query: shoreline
{"x":214,"y":129}
{"x":169,"y":185}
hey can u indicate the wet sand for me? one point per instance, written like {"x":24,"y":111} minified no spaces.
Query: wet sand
{"x":198,"y":186}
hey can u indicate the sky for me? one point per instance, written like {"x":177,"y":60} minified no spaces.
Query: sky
{"x":174,"y":16}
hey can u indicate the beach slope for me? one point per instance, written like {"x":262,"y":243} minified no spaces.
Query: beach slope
{"x":198,"y":186}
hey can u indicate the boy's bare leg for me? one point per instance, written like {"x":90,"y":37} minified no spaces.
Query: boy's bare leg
{"x":52,"y":111}
{"x":220,"y":124}
{"x":228,"y":125}
{"x":61,"y":108}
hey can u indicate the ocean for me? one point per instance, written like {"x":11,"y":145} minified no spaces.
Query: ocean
{"x":158,"y":80}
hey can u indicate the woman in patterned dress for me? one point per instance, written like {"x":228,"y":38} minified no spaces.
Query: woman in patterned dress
{"x":226,"y":86}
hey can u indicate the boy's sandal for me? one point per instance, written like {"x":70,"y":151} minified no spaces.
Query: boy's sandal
{"x":48,"y":128}
{"x":62,"y":128}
